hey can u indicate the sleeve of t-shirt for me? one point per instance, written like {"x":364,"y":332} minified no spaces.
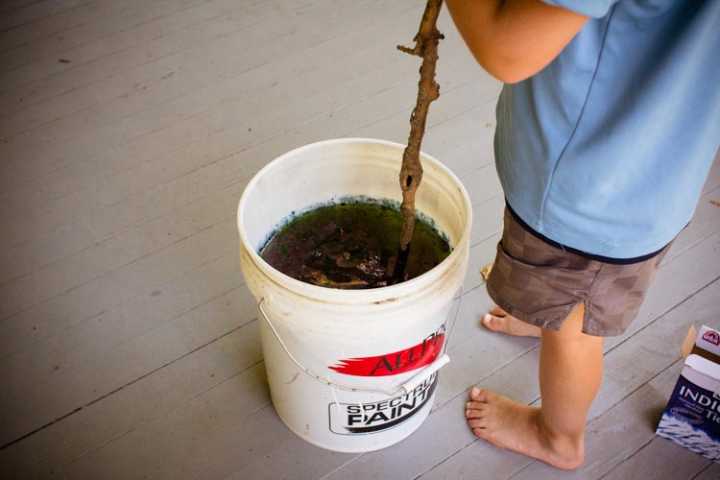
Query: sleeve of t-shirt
{"x":589,"y":8}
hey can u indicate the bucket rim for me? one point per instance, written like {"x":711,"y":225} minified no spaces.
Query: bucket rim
{"x":371,"y":295}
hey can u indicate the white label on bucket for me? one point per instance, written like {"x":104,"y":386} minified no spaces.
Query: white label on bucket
{"x":356,"y":419}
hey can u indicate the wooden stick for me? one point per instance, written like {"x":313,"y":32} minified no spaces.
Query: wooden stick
{"x":426,"y":46}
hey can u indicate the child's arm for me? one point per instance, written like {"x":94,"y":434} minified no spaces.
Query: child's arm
{"x":514,"y":39}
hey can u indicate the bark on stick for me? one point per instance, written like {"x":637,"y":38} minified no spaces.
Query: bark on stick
{"x":426,"y":47}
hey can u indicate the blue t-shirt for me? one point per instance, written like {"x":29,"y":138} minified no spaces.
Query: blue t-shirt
{"x":607,"y":148}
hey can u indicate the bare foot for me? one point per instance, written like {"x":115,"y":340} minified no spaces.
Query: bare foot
{"x":498,"y":320}
{"x":517,"y":427}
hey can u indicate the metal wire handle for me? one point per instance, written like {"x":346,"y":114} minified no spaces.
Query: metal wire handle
{"x":403,"y":388}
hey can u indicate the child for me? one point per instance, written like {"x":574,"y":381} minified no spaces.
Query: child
{"x":606,"y":129}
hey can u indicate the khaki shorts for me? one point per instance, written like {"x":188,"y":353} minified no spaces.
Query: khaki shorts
{"x":540,"y":283}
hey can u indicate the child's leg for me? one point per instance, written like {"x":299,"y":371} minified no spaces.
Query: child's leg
{"x":570,"y":375}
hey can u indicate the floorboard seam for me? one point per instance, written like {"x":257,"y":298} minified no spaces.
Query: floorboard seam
{"x":703,"y":470}
{"x":190,"y":399}
{"x":417,"y":477}
{"x":627,"y":457}
{"x":110,"y":272}
{"x":90,"y":108}
{"x":28,"y":22}
{"x":114,"y":391}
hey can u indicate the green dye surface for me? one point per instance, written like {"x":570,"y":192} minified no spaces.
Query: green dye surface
{"x":351,"y":245}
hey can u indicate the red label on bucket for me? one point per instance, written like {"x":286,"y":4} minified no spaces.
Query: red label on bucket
{"x":417,"y":356}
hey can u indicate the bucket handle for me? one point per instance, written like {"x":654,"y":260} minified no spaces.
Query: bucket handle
{"x":403,"y":388}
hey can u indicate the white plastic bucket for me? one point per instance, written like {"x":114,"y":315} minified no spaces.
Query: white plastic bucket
{"x":352,"y":370}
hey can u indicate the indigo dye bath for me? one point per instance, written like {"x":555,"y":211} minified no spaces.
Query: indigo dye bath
{"x":352,"y":245}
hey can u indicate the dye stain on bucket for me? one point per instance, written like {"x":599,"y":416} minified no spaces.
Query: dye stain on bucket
{"x":351,"y":245}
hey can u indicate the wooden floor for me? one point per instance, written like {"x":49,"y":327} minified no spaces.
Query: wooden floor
{"x":129,"y":343}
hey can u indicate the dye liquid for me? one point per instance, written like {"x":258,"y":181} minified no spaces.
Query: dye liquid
{"x":352,"y":245}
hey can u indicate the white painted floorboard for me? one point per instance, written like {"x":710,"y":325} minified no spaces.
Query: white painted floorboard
{"x":129,"y":344}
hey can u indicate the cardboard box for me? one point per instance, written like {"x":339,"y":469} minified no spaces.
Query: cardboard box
{"x":692,"y":415}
